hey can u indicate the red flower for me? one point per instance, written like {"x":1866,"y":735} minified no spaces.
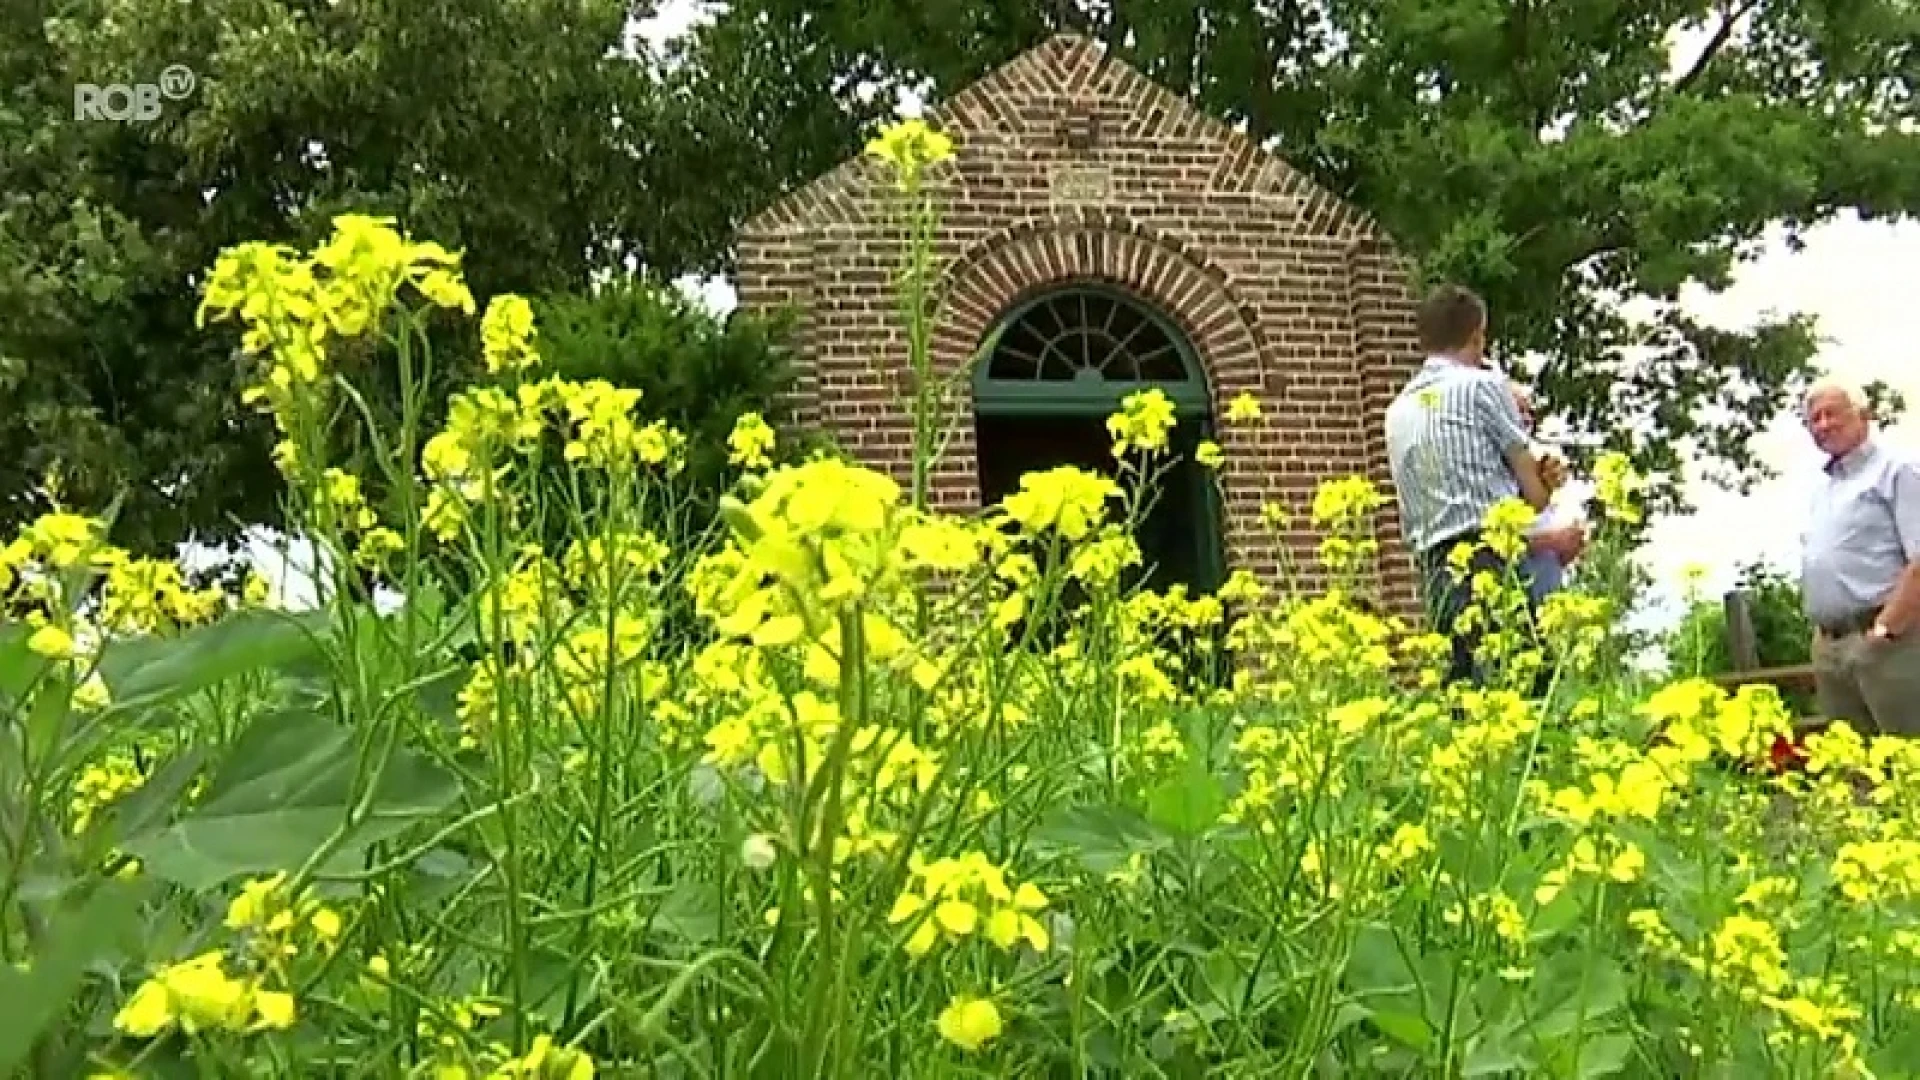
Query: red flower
{"x":1787,"y":754}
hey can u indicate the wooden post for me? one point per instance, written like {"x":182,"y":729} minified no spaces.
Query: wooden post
{"x":1742,"y":648}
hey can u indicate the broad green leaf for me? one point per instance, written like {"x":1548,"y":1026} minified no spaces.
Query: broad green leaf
{"x":148,"y":806}
{"x":142,"y":672}
{"x":1493,"y":1055}
{"x":1405,"y":1028}
{"x":1189,"y":803}
{"x":689,"y":912}
{"x":31,"y":1000}
{"x":1377,"y":966}
{"x":19,"y":665}
{"x":1101,"y":838}
{"x":1575,"y":988}
{"x":1605,"y":1055}
{"x":284,"y":789}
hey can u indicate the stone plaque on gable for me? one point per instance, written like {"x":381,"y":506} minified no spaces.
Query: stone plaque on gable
{"x":1080,"y":185}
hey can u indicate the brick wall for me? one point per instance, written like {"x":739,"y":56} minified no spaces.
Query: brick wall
{"x":1073,"y":167}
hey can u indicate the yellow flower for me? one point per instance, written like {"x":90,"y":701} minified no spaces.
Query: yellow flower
{"x":275,"y":1009}
{"x":255,"y":902}
{"x":909,"y":147}
{"x":1345,"y":503}
{"x":197,"y":995}
{"x":969,"y":1022}
{"x":506,"y":334}
{"x":1143,"y":423}
{"x":52,"y":642}
{"x":1619,"y":486}
{"x":1243,"y":408}
{"x":750,"y":442}
{"x":1210,"y":455}
{"x":1066,"y":500}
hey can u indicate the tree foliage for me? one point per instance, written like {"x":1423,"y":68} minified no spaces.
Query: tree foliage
{"x":521,"y":131}
{"x":1555,"y":156}
{"x":1579,"y":162}
{"x":1783,"y":635}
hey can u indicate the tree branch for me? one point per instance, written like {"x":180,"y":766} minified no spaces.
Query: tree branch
{"x":1713,"y":46}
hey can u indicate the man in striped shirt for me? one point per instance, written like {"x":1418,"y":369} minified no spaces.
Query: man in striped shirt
{"x":1457,"y":445}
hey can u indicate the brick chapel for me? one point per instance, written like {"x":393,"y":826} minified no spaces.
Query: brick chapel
{"x":1099,"y":235}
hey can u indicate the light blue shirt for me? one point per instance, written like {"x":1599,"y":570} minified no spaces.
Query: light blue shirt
{"x":1863,"y":531}
{"x":1448,"y":433}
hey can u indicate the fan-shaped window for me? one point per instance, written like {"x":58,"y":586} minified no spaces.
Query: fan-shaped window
{"x":1050,"y":374}
{"x":1087,"y":335}
{"x":1085,"y":346}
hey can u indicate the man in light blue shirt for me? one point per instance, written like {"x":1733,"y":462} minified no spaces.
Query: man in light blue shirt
{"x":1457,"y":446}
{"x":1860,"y":570}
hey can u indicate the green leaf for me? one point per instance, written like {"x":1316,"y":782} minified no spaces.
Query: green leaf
{"x":1493,"y":1055}
{"x":19,"y":665}
{"x":689,"y":912}
{"x":148,"y":806}
{"x":1576,"y":988}
{"x":1188,"y":804}
{"x":1376,"y":966}
{"x":142,"y":672}
{"x":285,"y":788}
{"x":1407,"y":1029}
{"x":1605,"y":1055}
{"x":1101,"y":838}
{"x":32,"y":1000}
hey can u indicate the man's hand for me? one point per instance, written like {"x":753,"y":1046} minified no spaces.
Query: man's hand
{"x":1568,"y":542}
{"x":1553,"y":471}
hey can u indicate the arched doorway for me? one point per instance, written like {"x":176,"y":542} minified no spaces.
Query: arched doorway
{"x":1053,"y":369}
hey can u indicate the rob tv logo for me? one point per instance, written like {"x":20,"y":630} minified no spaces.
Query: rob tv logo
{"x":121,"y":103}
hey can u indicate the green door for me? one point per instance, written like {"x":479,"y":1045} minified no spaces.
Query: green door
{"x":1052,"y":371}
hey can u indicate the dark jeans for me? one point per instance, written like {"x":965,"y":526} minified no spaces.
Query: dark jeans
{"x":1448,"y":596}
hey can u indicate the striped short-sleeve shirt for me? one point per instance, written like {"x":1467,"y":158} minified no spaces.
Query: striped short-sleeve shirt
{"x":1448,"y":434}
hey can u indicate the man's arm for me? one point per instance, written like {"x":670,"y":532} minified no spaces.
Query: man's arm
{"x":1508,"y":430}
{"x":1902,"y":612}
{"x":1526,"y":469}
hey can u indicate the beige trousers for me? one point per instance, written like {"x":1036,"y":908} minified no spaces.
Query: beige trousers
{"x":1873,"y":685}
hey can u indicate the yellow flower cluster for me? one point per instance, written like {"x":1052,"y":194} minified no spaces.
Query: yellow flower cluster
{"x":969,"y":1022}
{"x":1498,"y":722}
{"x":1618,"y":487}
{"x":1744,"y":956}
{"x":198,"y":995}
{"x":953,"y":899}
{"x":490,"y":432}
{"x":1619,"y":860}
{"x":909,"y":148}
{"x":750,"y":442}
{"x":274,"y":919}
{"x":1066,"y":502}
{"x":101,"y":783}
{"x":1143,"y":424}
{"x":291,"y":305}
{"x":202,"y":995}
{"x":506,"y":335}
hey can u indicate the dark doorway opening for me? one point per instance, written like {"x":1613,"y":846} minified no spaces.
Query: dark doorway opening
{"x":1178,"y":543}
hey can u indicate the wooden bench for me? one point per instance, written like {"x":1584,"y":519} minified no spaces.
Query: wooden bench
{"x":1790,"y":677}
{"x":1743,"y":649}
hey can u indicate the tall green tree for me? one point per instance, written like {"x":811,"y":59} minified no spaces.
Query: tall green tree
{"x":1579,"y":162}
{"x":526,"y":133}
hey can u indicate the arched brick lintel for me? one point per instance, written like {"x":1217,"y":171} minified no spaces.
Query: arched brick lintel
{"x":1019,"y":262}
